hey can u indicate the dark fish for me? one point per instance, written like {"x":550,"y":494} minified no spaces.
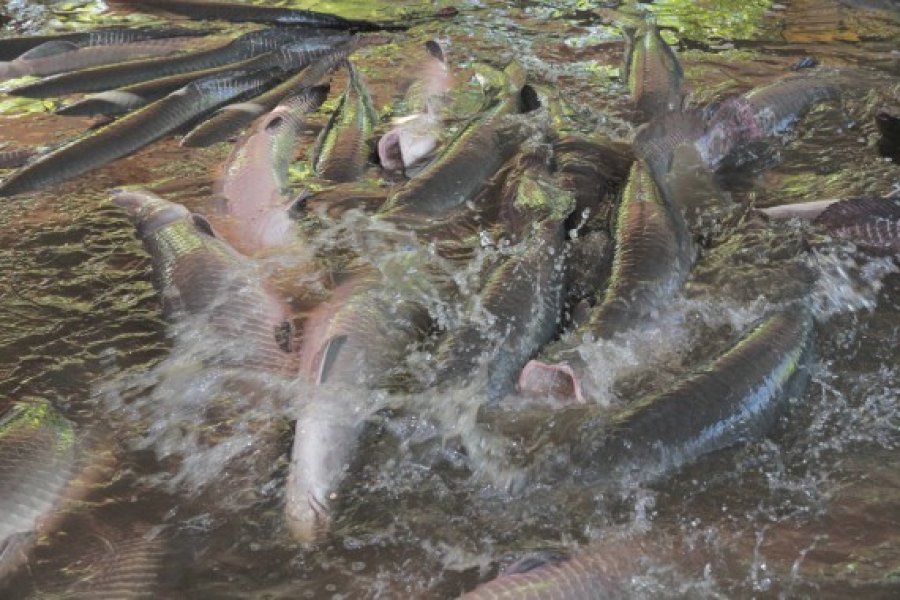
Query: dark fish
{"x":870,"y":223}
{"x":61,"y":56}
{"x":38,"y":459}
{"x":200,"y":275}
{"x":342,"y":151}
{"x":292,"y":56}
{"x":888,"y":122}
{"x":654,"y":74}
{"x":226,"y":11}
{"x":10,"y":48}
{"x":463,"y":165}
{"x":231,"y":119}
{"x":653,"y":256}
{"x":763,"y":112}
{"x":111,"y":77}
{"x":591,"y":169}
{"x":255,"y":182}
{"x":132,"y":132}
{"x":736,"y":397}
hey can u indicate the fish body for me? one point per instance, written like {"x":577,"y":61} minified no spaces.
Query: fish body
{"x":415,"y":136}
{"x":55,"y":57}
{"x":116,"y":76}
{"x":202,"y":277}
{"x":761,"y":113}
{"x":871,"y":223}
{"x":342,"y":153}
{"x":292,"y":56}
{"x":10,"y":48}
{"x":463,"y":165}
{"x":591,"y":168}
{"x":354,"y":342}
{"x":132,"y":132}
{"x":255,"y":182}
{"x":228,"y":11}
{"x":654,"y":74}
{"x":653,"y":256}
{"x":38,"y":459}
{"x":736,"y":397}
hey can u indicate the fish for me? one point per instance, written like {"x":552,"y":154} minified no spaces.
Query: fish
{"x":592,"y":168}
{"x":10,"y":48}
{"x":654,"y":74}
{"x":132,"y":132}
{"x":199,"y":275}
{"x":872,"y":224}
{"x":255,"y":181}
{"x":653,"y":256}
{"x":353,"y":343}
{"x":334,"y":201}
{"x":227,"y":11}
{"x":110,"y":77}
{"x":415,"y":137}
{"x":761,"y":113}
{"x":462,"y":166}
{"x":522,"y":301}
{"x":228,"y":120}
{"x":60,"y":56}
{"x":292,"y":56}
{"x":341,"y":152}
{"x":736,"y":397}
{"x":39,"y":457}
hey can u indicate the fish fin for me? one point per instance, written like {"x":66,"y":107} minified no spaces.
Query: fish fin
{"x":49,"y":49}
{"x":535,"y":560}
{"x":284,"y":336}
{"x":329,"y":355}
{"x":203,"y":225}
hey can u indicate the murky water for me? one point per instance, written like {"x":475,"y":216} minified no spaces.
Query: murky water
{"x":194,"y":460}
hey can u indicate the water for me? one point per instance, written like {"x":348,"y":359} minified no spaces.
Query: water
{"x":434,"y":506}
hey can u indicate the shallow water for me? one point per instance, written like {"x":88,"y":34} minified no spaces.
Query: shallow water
{"x":811,"y":511}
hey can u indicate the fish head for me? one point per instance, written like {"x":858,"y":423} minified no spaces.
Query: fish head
{"x":149,"y":212}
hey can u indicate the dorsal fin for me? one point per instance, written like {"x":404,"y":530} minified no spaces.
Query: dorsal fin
{"x":48,"y":49}
{"x":329,"y":355}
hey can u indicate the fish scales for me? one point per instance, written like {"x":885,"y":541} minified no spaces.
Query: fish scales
{"x":130,"y":133}
{"x":736,"y":397}
{"x":654,"y":77}
{"x":129,"y":571}
{"x":652,"y":257}
{"x":38,"y":454}
{"x":110,"y":77}
{"x":10,"y":48}
{"x":342,"y":152}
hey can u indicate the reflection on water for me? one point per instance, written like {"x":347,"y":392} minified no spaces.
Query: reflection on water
{"x":194,"y":504}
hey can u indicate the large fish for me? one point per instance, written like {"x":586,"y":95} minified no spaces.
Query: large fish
{"x":132,"y":132}
{"x":653,"y":256}
{"x":654,"y":74}
{"x":111,"y":77}
{"x":761,"y":113}
{"x":290,"y":57}
{"x":521,"y":302}
{"x":342,"y":151}
{"x":228,"y":11}
{"x":415,"y":136}
{"x":199,"y":275}
{"x":230,"y":119}
{"x":10,"y":48}
{"x":255,"y":181}
{"x":38,"y":460}
{"x":462,"y":167}
{"x":354,"y":342}
{"x":61,"y":56}
{"x":736,"y":397}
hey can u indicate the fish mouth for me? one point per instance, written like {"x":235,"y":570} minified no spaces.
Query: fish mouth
{"x":557,"y":381}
